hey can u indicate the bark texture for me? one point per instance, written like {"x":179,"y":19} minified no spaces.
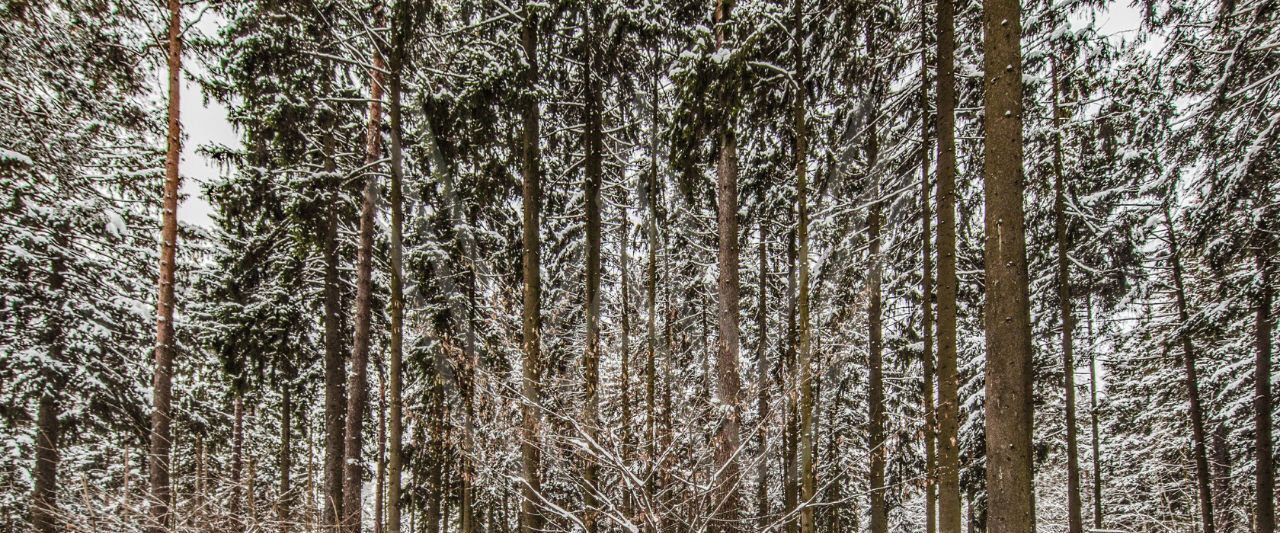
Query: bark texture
{"x":1007,"y":310}
{"x":1265,"y":470}
{"x":335,"y":387}
{"x":1074,"y":522}
{"x":531,"y":190}
{"x":879,"y":516}
{"x":1192,"y":380}
{"x":926,"y":289}
{"x":593,"y":144}
{"x":808,"y":488}
{"x":728,"y":380}
{"x":948,"y":411}
{"x":44,"y":497}
{"x":358,"y":384}
{"x":162,"y":386}
{"x":1093,"y":416}
{"x":395,"y":463}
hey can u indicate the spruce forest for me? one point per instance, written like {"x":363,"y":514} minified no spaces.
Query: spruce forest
{"x":639,"y":266}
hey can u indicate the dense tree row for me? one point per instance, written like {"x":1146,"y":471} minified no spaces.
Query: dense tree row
{"x":751,"y":265}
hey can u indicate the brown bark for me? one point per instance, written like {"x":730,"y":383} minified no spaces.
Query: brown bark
{"x":380,"y":472}
{"x":285,"y":503}
{"x":1204,"y":493}
{"x":1075,"y":523}
{"x":808,"y":488}
{"x":251,"y":489}
{"x":467,"y":520}
{"x":593,"y":146}
{"x":176,"y":516}
{"x":1265,"y":469}
{"x":200,"y":517}
{"x":791,"y":429}
{"x":762,"y":373}
{"x":162,"y":394}
{"x":335,"y":388}
{"x":879,"y":513}
{"x":728,"y":379}
{"x":624,"y":343}
{"x":926,"y":289}
{"x":44,"y":503}
{"x":651,"y":290}
{"x":310,"y":516}
{"x":435,"y":459}
{"x":1007,"y":310}
{"x":948,"y":410}
{"x":44,"y":497}
{"x":531,"y":174}
{"x":669,"y":346}
{"x":1222,"y":477}
{"x":1093,"y":415}
{"x":879,"y":508}
{"x":236,"y":518}
{"x":358,"y":384}
{"x":125,"y":478}
{"x":835,"y":488}
{"x":395,"y":461}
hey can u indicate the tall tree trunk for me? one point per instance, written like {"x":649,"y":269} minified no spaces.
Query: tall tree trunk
{"x":593,"y":146}
{"x":1265,"y":470}
{"x":808,"y":488}
{"x":334,"y":370}
{"x":628,"y":509}
{"x":926,"y":288}
{"x":791,"y":429}
{"x":285,"y":501}
{"x":44,"y":503}
{"x":467,"y":520}
{"x":162,"y":393}
{"x":200,"y":516}
{"x":1222,"y":477}
{"x":1075,"y":524}
{"x":395,"y":461}
{"x":309,"y":518}
{"x":44,"y":497}
{"x":948,"y":412}
{"x":176,"y":516}
{"x":251,"y":487}
{"x":335,"y":388}
{"x":380,"y":471}
{"x":435,"y":459}
{"x":728,"y":380}
{"x":879,"y":508}
{"x":125,"y":478}
{"x":1093,"y":413}
{"x":835,"y":436}
{"x":668,"y":346}
{"x":1007,"y":309}
{"x":358,"y":384}
{"x":531,"y":173}
{"x":237,"y":463}
{"x":651,"y":301}
{"x":1192,"y":382}
{"x":444,"y":515}
{"x":879,"y":516}
{"x":762,"y":372}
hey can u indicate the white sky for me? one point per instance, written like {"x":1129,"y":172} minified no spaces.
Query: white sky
{"x":206,"y":122}
{"x":1121,"y":19}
